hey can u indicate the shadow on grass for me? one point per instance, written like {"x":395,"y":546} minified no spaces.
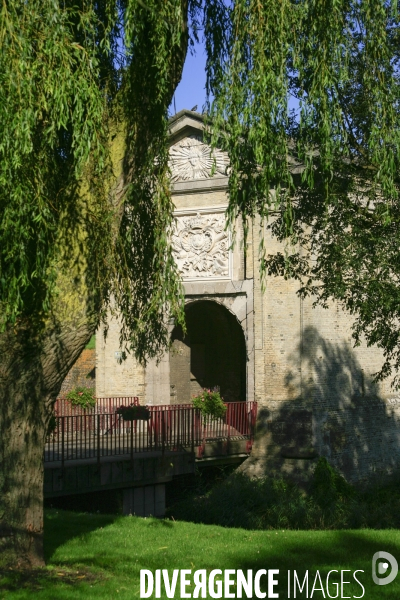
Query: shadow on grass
{"x":113,"y":556}
{"x":220,"y":548}
{"x":347,"y":551}
{"x":73,"y":526}
{"x":161,"y":524}
{"x":59,"y":528}
{"x":37,"y":580}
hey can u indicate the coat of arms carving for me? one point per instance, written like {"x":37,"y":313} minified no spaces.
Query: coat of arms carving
{"x":201,"y":246}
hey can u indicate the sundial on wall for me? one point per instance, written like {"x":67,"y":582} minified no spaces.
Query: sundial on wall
{"x":191,"y":159}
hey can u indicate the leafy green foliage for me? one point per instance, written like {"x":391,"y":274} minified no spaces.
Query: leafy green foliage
{"x":210,"y":404}
{"x":329,"y":487}
{"x":73,"y":76}
{"x":326,"y":173}
{"x":328,"y":502}
{"x":316,"y":52}
{"x":146,"y":284}
{"x":53,"y":121}
{"x":73,"y":73}
{"x":91,"y":345}
{"x":82,"y":396}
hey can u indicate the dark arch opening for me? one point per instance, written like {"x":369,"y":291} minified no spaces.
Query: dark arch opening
{"x":212,"y":354}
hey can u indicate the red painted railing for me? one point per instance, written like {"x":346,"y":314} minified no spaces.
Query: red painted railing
{"x":95,"y":434}
{"x":64,"y":408}
{"x":91,"y":436}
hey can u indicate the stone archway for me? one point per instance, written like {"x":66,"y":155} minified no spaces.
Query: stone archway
{"x":213,"y":353}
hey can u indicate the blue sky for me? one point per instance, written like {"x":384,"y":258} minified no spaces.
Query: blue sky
{"x":191,"y":90}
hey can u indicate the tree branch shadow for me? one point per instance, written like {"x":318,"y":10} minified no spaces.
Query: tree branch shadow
{"x":338,"y":414}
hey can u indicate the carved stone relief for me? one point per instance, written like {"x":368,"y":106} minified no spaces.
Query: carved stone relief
{"x":201,"y":246}
{"x":191,"y":159}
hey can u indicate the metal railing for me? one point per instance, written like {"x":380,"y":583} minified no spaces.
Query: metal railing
{"x":64,"y":408}
{"x":95,"y":435}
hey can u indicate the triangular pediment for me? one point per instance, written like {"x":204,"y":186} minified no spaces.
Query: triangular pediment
{"x":191,"y":159}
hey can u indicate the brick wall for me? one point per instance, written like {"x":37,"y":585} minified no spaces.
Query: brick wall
{"x":82,"y":374}
{"x":116,"y":377}
{"x":316,"y":391}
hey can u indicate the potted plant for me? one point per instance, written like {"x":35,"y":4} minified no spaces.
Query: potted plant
{"x":134,"y":413}
{"x":210,"y":403}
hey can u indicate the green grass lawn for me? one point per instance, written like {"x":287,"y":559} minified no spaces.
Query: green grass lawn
{"x":98,"y":556}
{"x":91,"y":345}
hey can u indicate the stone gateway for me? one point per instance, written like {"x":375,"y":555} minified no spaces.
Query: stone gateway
{"x":315,"y":391}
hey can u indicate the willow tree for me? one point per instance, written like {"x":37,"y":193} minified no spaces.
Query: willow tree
{"x":85,"y":206}
{"x":324,"y":176}
{"x":85,"y":196}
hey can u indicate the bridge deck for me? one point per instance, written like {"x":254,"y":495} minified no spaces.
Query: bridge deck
{"x":119,"y":443}
{"x":99,"y":434}
{"x":97,"y":451}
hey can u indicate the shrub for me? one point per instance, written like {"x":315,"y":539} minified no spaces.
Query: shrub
{"x":265,"y":503}
{"x":210,"y":404}
{"x":82,"y":396}
{"x":274,"y":503}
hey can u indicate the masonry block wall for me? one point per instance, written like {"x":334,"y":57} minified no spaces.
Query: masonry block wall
{"x":355,"y":421}
{"x":116,"y":377}
{"x":315,"y":390}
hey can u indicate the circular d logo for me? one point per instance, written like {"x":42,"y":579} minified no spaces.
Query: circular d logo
{"x":385,"y":559}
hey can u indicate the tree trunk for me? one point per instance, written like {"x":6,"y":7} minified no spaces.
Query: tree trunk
{"x":31,"y":374}
{"x":22,"y":423}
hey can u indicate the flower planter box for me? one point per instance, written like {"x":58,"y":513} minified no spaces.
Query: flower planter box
{"x":134,"y":413}
{"x":210,"y":404}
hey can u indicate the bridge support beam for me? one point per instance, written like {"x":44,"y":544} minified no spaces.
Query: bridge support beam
{"x":144,"y":501}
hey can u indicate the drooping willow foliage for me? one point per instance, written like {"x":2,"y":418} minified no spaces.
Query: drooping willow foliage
{"x":335,"y":60}
{"x":71,"y":73}
{"x":52,"y":120}
{"x":324,"y":176}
